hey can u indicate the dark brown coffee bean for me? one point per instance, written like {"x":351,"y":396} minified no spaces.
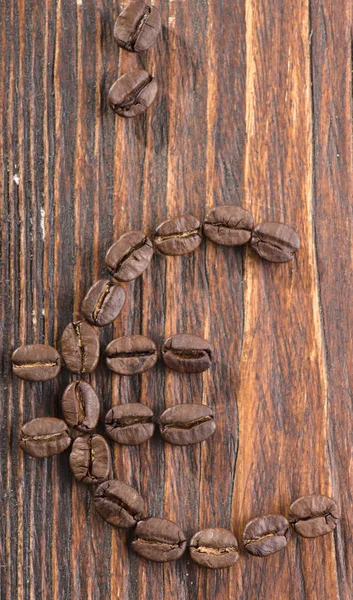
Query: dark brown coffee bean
{"x":187,"y":353}
{"x":129,"y":424}
{"x":118,"y":503}
{"x":132,"y":94}
{"x":80,"y":406}
{"x":129,"y":256}
{"x":137,"y":26}
{"x":80,"y":347}
{"x":177,"y":236}
{"x":266,"y":535}
{"x":90,"y":459}
{"x":159,"y":539}
{"x":214,"y":548}
{"x":187,"y":424}
{"x":103,"y":302}
{"x":275,"y":242}
{"x":36,"y":362}
{"x":312,"y":516}
{"x":131,"y":354}
{"x":44,"y":437}
{"x":228,"y":225}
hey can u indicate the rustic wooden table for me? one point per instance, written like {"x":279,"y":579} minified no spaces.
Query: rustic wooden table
{"x":254,"y":108}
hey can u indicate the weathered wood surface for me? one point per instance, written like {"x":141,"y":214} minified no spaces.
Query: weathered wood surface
{"x":254,"y":108}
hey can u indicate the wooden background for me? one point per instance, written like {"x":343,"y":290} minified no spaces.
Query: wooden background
{"x":254,"y":108}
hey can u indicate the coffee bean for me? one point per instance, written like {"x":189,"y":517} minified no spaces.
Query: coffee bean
{"x":80,"y":347}
{"x":129,"y":256}
{"x":131,"y":354}
{"x":44,"y":437}
{"x":266,"y":535}
{"x":228,"y":225}
{"x":132,"y":94}
{"x":137,"y":26}
{"x":80,"y":406}
{"x":177,"y":236}
{"x":187,"y":353}
{"x":129,"y":424}
{"x":275,"y":242}
{"x":186,"y":424}
{"x":90,"y":459}
{"x":36,"y":362}
{"x":159,"y":539}
{"x":312,"y":516}
{"x":214,"y":548}
{"x":103,"y":302}
{"x":118,"y":503}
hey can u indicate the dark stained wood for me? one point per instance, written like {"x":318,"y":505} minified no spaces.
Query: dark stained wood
{"x":254,"y":108}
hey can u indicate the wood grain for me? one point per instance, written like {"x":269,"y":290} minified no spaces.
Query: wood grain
{"x":254,"y":108}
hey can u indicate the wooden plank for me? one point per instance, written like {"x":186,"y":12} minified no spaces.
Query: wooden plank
{"x":283,"y":396}
{"x":332,"y":109}
{"x":254,"y":108}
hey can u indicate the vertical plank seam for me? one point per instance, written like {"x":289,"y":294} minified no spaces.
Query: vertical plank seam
{"x":35,"y":537}
{"x":22,"y":567}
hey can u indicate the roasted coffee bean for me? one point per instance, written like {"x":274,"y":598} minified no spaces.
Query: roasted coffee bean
{"x":266,"y":535}
{"x":214,"y":548}
{"x":314,"y":515}
{"x":131,"y":354}
{"x":275,"y":242}
{"x":132,"y":94}
{"x":159,"y":539}
{"x":129,"y":256}
{"x":80,"y":347}
{"x":187,"y":424}
{"x":36,"y":362}
{"x":129,"y":424}
{"x":137,"y":26}
{"x":103,"y":302}
{"x":177,"y":236}
{"x":90,"y":459}
{"x":44,"y":437}
{"x":228,"y":225}
{"x":80,"y":406}
{"x":187,"y":353}
{"x":118,"y":503}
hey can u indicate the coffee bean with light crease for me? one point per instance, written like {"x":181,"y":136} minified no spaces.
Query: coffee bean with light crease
{"x":103,"y":302}
{"x":275,"y":242}
{"x":266,"y":535}
{"x":44,"y":436}
{"x":36,"y":362}
{"x":80,"y":347}
{"x":187,"y":424}
{"x":158,"y":539}
{"x":90,"y":459}
{"x":131,"y":354}
{"x":80,"y":406}
{"x":178,"y":236}
{"x":129,"y":424}
{"x":315,"y":515}
{"x":118,"y":503}
{"x":215,"y":548}
{"x":127,"y":258}
{"x":137,"y":26}
{"x":187,"y":353}
{"x":132,"y":94}
{"x":228,"y":225}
